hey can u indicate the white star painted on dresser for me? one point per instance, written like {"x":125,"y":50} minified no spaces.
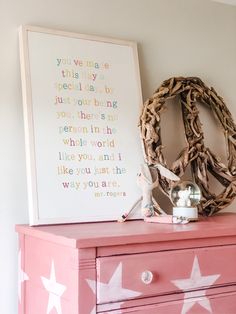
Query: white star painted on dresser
{"x":55,"y":290}
{"x":113,"y":290}
{"x":22,"y":276}
{"x":92,"y":285}
{"x":195,"y":281}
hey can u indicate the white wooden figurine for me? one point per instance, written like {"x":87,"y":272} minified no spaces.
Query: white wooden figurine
{"x":145,"y":182}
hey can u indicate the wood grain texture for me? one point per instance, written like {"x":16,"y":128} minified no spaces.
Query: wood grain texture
{"x":191,"y":90}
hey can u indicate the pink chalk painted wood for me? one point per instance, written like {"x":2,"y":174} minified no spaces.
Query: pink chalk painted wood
{"x":131,"y":267}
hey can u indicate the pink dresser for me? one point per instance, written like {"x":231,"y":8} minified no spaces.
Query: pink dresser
{"x":131,"y":267}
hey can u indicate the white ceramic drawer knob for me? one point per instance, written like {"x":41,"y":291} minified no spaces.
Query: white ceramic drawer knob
{"x":147,"y":277}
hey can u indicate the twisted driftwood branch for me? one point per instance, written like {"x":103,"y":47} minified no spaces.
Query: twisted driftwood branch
{"x":202,"y":160}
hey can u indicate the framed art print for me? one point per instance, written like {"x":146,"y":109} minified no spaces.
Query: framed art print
{"x":81,"y":98}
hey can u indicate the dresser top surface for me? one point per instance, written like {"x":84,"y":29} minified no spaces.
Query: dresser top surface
{"x":100,"y":234}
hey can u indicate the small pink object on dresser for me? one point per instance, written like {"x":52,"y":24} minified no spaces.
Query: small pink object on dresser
{"x":134,"y":267}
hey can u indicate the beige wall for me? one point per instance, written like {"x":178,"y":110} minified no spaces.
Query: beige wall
{"x":175,"y":37}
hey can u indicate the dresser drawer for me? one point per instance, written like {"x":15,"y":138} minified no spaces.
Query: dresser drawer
{"x":124,"y":277}
{"x":224,"y":303}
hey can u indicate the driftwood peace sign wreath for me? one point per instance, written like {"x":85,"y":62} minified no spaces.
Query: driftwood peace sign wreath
{"x":202,"y":160}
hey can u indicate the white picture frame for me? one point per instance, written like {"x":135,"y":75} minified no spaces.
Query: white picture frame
{"x":81,"y":103}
